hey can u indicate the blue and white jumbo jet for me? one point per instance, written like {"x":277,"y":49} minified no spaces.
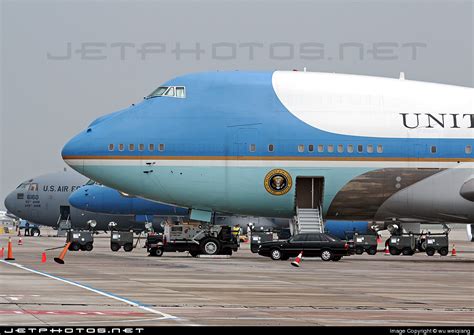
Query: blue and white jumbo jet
{"x":274,"y":143}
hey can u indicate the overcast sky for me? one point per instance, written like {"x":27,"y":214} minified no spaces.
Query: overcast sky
{"x":64,"y":63}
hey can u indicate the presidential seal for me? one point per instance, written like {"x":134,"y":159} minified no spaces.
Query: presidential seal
{"x":278,"y":182}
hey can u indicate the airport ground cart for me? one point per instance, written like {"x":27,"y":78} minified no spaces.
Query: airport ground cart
{"x":80,"y":240}
{"x":119,"y":239}
{"x":195,"y":238}
{"x":402,"y":244}
{"x":437,"y":243}
{"x":365,"y":243}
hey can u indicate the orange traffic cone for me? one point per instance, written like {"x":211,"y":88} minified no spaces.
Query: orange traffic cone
{"x":60,"y":259}
{"x":298,"y":259}
{"x":386,"y":251}
{"x":43,"y":257}
{"x":20,"y":241}
{"x":1,"y":252}
{"x":453,"y":251}
{"x":10,"y":251}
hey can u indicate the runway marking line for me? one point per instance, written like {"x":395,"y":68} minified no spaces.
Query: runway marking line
{"x":58,"y":312}
{"x":164,"y":316}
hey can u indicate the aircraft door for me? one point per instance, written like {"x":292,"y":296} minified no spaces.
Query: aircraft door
{"x":309,"y":192}
{"x":65,"y":212}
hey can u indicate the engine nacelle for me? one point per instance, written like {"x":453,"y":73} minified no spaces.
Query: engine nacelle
{"x":346,"y":229}
{"x":467,"y":190}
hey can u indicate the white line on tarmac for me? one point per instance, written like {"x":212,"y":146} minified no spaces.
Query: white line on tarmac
{"x":106,"y":294}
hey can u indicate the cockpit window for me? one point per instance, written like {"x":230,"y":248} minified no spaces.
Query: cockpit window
{"x":158,"y":92}
{"x":23,"y":186}
{"x":168,"y":91}
{"x":180,"y":92}
{"x":91,"y":182}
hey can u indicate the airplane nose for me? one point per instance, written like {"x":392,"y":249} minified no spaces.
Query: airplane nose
{"x":10,"y":202}
{"x":79,"y":199}
{"x":74,"y":151}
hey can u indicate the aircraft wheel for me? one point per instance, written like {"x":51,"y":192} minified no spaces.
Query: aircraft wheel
{"x":35,"y":232}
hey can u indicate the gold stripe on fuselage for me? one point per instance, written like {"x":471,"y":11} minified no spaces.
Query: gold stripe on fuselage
{"x":274,"y":158}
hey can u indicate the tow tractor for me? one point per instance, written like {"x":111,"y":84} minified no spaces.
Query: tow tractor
{"x":196,"y":238}
{"x":80,"y":240}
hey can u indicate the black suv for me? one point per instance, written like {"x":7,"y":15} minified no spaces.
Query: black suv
{"x":326,"y":246}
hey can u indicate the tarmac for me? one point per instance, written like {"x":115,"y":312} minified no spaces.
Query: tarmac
{"x":105,"y":288}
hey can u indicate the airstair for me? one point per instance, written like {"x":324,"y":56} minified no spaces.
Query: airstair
{"x":63,"y":226}
{"x":309,"y":220}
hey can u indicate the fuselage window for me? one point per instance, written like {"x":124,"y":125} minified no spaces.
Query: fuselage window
{"x":350,"y":148}
{"x":301,"y":148}
{"x":310,"y":148}
{"x":271,"y":147}
{"x":340,"y":148}
{"x":360,"y":148}
{"x":151,"y":147}
{"x":131,"y":147}
{"x":370,"y":148}
{"x":320,"y":148}
{"x":252,"y":147}
{"x":180,"y":93}
{"x":141,"y":147}
{"x":433,"y":149}
{"x":121,"y":147}
{"x":161,"y":147}
{"x":330,"y":148}
{"x":379,"y":148}
{"x":468,"y":149}
{"x":111,"y":147}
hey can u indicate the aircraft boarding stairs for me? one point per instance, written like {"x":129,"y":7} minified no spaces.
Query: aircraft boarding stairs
{"x":309,"y":220}
{"x":63,"y":226}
